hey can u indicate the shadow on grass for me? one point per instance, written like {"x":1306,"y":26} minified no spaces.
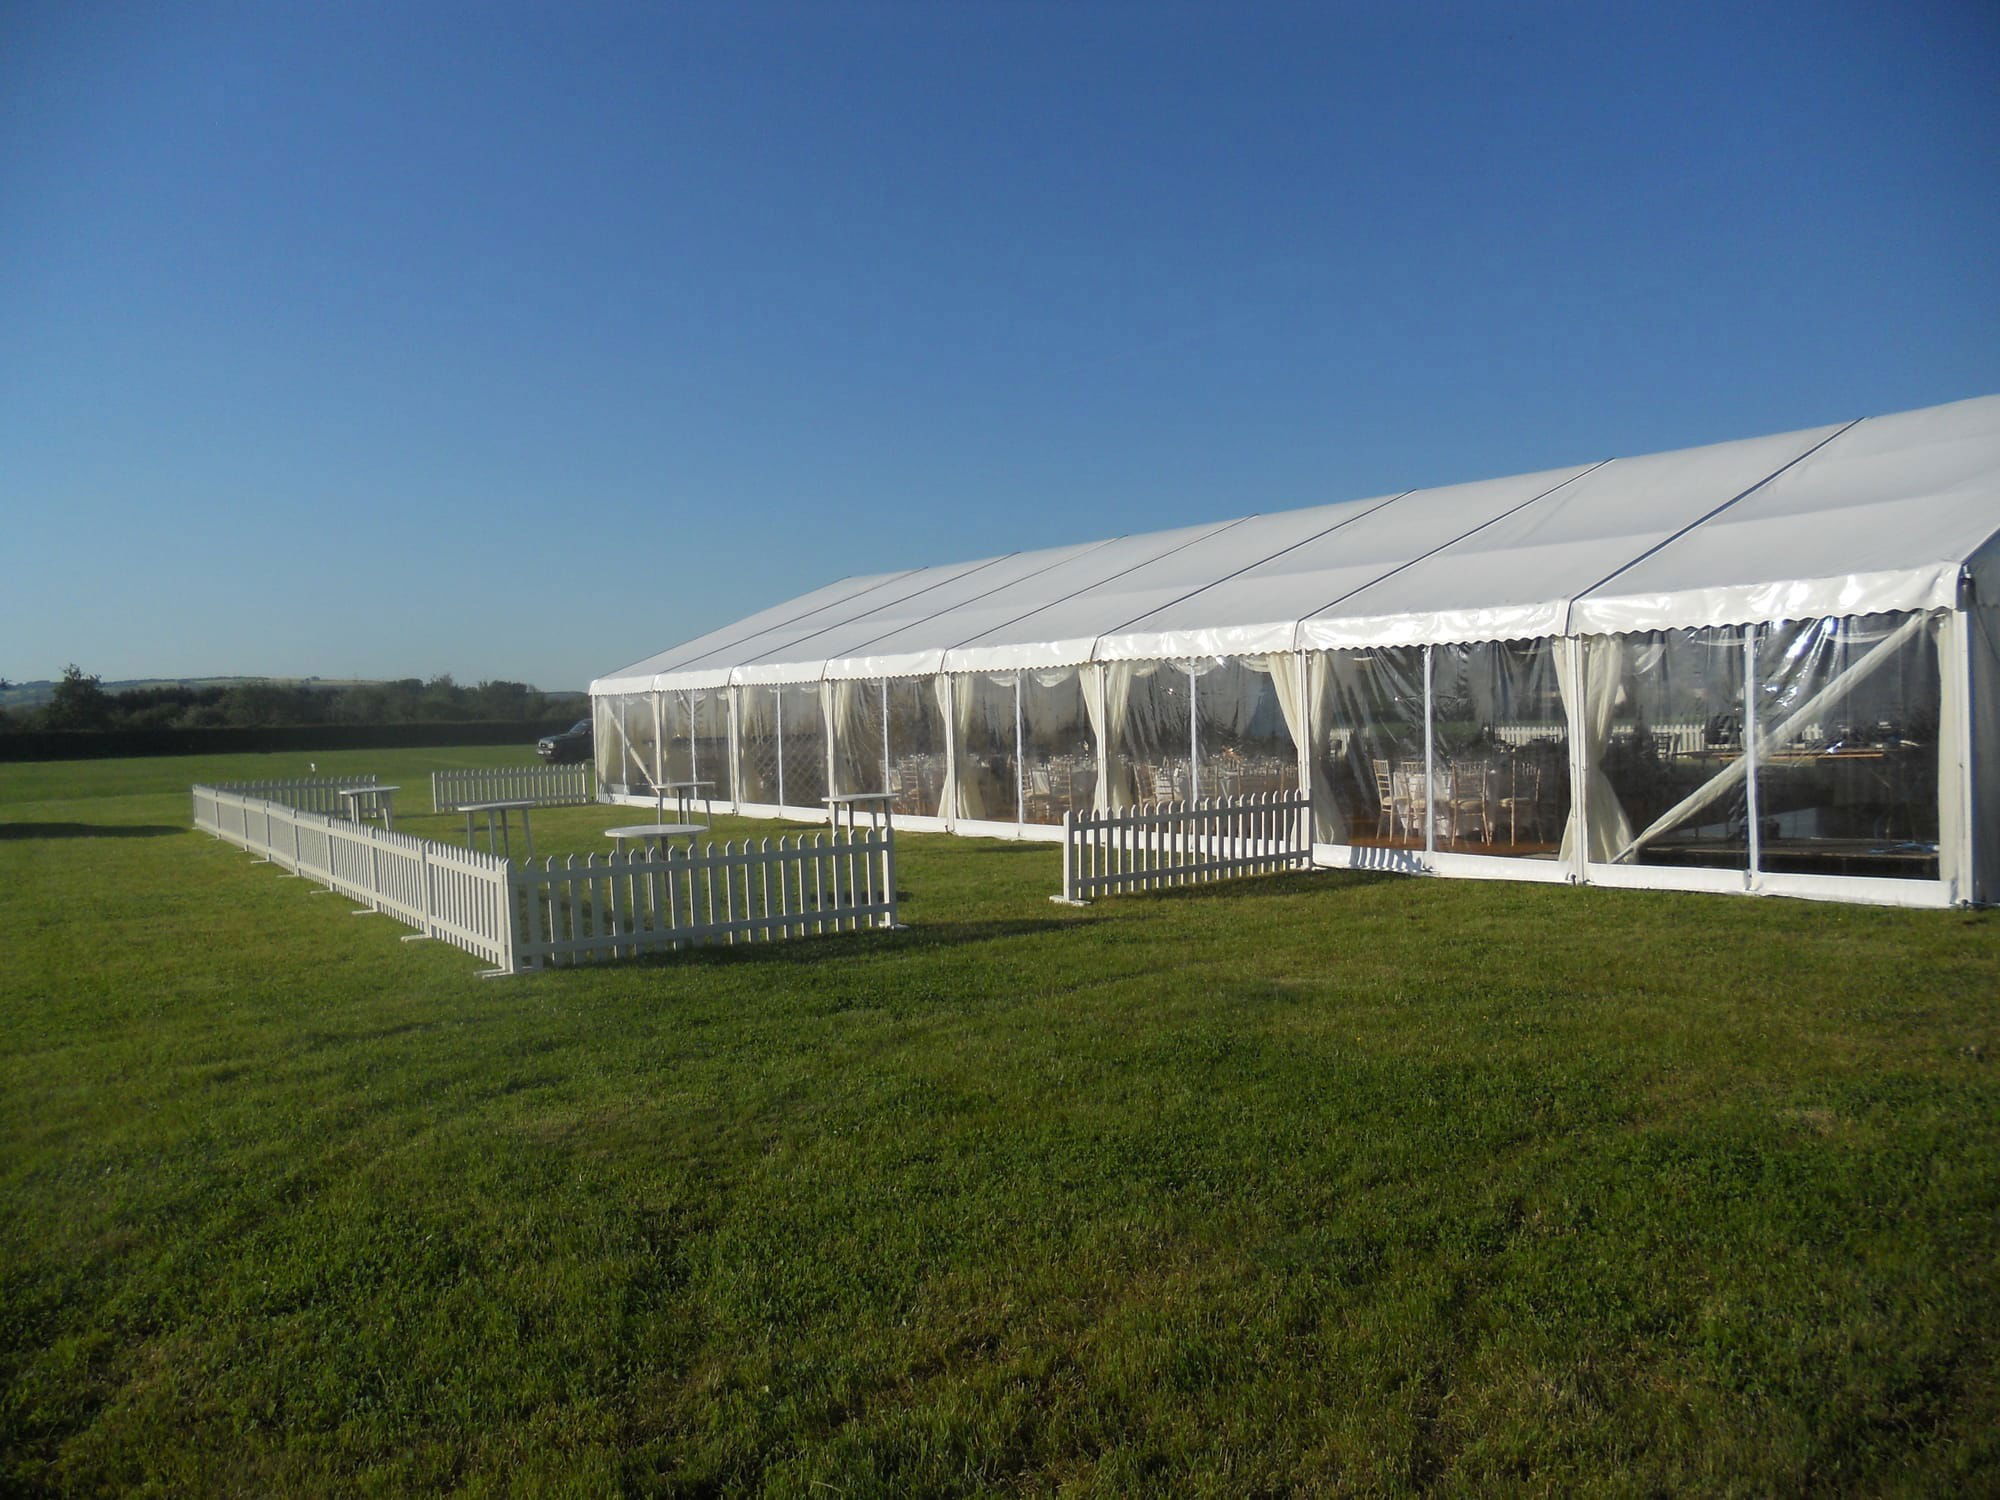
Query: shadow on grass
{"x":1295,"y":883}
{"x":87,"y":830}
{"x":833,"y":946}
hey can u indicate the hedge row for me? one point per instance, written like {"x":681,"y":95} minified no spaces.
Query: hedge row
{"x":83,"y":744}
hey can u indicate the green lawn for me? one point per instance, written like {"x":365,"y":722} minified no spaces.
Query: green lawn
{"x":1313,"y":1184}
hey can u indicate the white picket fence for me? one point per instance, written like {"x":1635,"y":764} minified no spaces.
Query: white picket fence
{"x":612,"y":906}
{"x":459,"y":896}
{"x":320,"y":794}
{"x":1158,"y":844}
{"x":545,"y":786}
{"x":575,"y":911}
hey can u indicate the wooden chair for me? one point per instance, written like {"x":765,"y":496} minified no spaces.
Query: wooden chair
{"x":1524,"y":795}
{"x":1385,"y":797}
{"x":1468,"y":797}
{"x":1411,"y":783}
{"x":1041,"y":797}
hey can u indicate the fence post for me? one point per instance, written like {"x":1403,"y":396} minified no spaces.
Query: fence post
{"x":889,"y":872}
{"x":509,"y":961}
{"x":1069,"y":895}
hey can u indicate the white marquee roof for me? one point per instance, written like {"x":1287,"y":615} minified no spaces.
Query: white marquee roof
{"x":1881,"y":514}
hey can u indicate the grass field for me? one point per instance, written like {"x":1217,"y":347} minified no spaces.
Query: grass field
{"x":1313,"y":1184}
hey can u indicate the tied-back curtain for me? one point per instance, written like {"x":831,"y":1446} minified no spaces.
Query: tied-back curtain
{"x":970,"y":799}
{"x":1301,"y":681}
{"x":1982,"y":864}
{"x":948,"y":792}
{"x":1593,"y":706}
{"x":1110,"y":708}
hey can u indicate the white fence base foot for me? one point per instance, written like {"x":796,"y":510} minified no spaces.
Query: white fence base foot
{"x":1065,"y":901}
{"x":498,"y":973}
{"x":416,"y":937}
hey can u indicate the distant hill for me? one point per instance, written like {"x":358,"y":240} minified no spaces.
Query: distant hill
{"x":35,"y":694}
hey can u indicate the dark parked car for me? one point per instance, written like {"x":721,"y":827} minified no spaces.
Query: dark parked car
{"x":572,"y":744}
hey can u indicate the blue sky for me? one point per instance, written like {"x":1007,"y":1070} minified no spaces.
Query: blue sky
{"x":523,"y":341}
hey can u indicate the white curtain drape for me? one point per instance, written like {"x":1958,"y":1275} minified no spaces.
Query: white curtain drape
{"x":1954,"y":855}
{"x":1301,"y":680}
{"x":849,"y":758}
{"x":1983,"y":631}
{"x":970,"y":802}
{"x":1592,"y":706}
{"x":1109,"y":707}
{"x":948,"y":792}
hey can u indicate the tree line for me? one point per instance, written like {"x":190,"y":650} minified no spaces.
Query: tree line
{"x":79,"y":701}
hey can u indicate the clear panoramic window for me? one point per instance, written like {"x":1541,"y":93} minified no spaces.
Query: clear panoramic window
{"x":984,"y":704}
{"x":623,"y":735}
{"x":677,"y":719}
{"x":803,"y":741}
{"x":858,"y":743}
{"x":1150,"y":727}
{"x":709,"y":758}
{"x":1846,"y":713}
{"x":917,"y":769}
{"x":757,"y":743}
{"x":1500,"y":741}
{"x":1371,"y":745}
{"x":1242,"y":742}
{"x":1058,"y":756}
{"x":1665,"y":719}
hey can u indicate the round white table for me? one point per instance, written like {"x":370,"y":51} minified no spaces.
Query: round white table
{"x":496,"y":815}
{"x":654,"y":834}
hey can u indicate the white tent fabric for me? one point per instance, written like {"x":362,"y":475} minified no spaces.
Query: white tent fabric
{"x":1881,"y":518}
{"x":744,"y":635}
{"x":1513,"y":577}
{"x":1883,"y":514}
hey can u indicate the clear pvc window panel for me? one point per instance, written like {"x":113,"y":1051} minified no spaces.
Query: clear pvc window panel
{"x":710,"y":717}
{"x":804,"y":745}
{"x":624,"y":740}
{"x":677,"y":717}
{"x":1372,"y":753}
{"x":917,"y":765}
{"x":1152,"y":749}
{"x":606,"y":748}
{"x":757,"y":741}
{"x":1500,"y":741}
{"x":984,"y":705}
{"x":1059,"y":758}
{"x":858,"y":742}
{"x":1241,"y":740}
{"x":1846,"y":712}
{"x":1666,"y":716}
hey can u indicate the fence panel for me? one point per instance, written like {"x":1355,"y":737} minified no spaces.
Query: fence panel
{"x":459,"y":896}
{"x":320,"y":794}
{"x":544,"y":786}
{"x":603,"y":907}
{"x":598,"y":908}
{"x":1154,"y":845}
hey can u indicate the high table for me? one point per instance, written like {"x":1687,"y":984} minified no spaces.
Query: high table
{"x":881,"y":807}
{"x":496,"y":814}
{"x":685,"y":792}
{"x":364,"y":802}
{"x":652,"y":833}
